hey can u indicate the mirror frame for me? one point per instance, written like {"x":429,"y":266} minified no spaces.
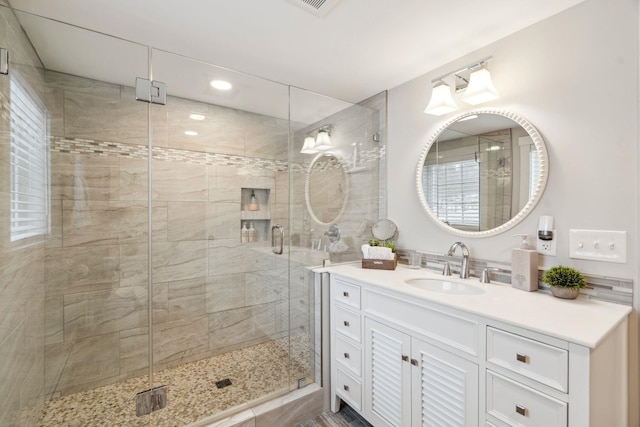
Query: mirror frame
{"x":528,"y":207}
{"x":307,"y":180}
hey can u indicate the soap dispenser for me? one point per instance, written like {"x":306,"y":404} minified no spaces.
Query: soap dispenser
{"x":524,"y":266}
{"x":253,"y":202}
{"x":252,"y":233}
{"x":244,"y":233}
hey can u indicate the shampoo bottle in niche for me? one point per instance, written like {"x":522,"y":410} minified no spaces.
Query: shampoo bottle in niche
{"x":252,"y":233}
{"x":524,"y":266}
{"x":253,"y":202}
{"x":244,"y":233}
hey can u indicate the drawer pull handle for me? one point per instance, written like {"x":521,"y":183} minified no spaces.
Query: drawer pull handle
{"x":346,"y":323}
{"x":346,"y":355}
{"x":521,"y":410}
{"x":346,"y":387}
{"x":405,"y":358}
{"x":414,"y":362}
{"x":346,"y":294}
{"x":522,"y":358}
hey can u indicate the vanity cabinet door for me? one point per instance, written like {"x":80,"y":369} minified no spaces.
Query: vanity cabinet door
{"x":387,"y":376}
{"x":444,"y":388}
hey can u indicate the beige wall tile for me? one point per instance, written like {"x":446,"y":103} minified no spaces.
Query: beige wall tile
{"x":233,"y":328}
{"x":160,"y":221}
{"x":225,"y":292}
{"x":179,"y":182}
{"x":187,"y":221}
{"x":106,"y":119}
{"x":95,"y":313}
{"x":134,"y":270}
{"x":133,"y":176}
{"x":79,"y":269}
{"x":85,"y":363}
{"x":187,"y":298}
{"x":134,"y":352}
{"x":179,"y":260}
{"x":223,"y":220}
{"x":180,"y":341}
{"x":83,"y":177}
{"x":104,"y":223}
{"x":226,"y":257}
{"x":266,"y":286}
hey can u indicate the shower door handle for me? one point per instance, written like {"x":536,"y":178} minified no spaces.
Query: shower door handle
{"x":277,"y":249}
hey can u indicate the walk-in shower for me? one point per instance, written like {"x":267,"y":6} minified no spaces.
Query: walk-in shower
{"x":127,"y":285}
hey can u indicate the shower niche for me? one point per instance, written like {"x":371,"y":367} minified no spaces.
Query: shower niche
{"x":256,"y":212}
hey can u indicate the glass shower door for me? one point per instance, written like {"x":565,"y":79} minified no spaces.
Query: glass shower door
{"x":74,"y":159}
{"x":220,"y":174}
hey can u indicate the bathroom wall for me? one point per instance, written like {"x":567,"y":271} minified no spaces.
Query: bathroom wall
{"x":574,"y":76}
{"x":22,"y":270}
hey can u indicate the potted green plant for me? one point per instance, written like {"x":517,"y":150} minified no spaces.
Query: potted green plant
{"x":565,"y":282}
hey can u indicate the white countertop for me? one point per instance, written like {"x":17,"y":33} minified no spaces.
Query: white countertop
{"x":582,"y":321}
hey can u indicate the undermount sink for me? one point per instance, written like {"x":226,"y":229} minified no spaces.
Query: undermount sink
{"x":444,"y":286}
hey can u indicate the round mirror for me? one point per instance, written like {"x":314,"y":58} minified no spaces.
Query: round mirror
{"x":326,"y":188}
{"x":482,"y":172}
{"x":384,"y":229}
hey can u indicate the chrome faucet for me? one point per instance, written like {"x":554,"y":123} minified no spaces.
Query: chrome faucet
{"x":464,"y":266}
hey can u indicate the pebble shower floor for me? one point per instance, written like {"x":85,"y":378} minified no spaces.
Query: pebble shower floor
{"x":191,"y":389}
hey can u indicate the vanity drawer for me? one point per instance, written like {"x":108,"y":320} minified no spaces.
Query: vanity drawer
{"x":349,"y":389}
{"x":518,"y":405}
{"x":347,"y":293}
{"x":348,"y":323}
{"x":349,"y":355}
{"x":541,"y":362}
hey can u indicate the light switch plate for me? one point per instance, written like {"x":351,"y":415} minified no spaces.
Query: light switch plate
{"x":598,"y":245}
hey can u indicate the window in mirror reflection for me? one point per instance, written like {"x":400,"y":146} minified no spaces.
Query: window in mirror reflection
{"x":467,"y":181}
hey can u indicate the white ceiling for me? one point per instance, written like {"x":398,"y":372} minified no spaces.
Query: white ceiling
{"x":359,"y":48}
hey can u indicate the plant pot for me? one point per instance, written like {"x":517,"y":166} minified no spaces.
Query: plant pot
{"x":565,"y":293}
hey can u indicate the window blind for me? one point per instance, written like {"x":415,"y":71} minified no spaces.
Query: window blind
{"x":29,"y":161}
{"x":453,"y":192}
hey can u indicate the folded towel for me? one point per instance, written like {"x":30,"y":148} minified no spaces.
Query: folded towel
{"x":379,"y":252}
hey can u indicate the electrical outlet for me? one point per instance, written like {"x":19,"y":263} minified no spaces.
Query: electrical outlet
{"x":547,"y":247}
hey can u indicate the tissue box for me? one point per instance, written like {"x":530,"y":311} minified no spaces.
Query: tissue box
{"x":381,"y":264}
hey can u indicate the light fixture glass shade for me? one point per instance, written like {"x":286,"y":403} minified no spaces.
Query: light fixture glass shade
{"x":323,"y":141}
{"x":441,"y":101}
{"x":480,"y":88}
{"x":309,"y":146}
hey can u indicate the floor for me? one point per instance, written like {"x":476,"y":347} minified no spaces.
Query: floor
{"x":191,"y":391}
{"x":347,"y":417}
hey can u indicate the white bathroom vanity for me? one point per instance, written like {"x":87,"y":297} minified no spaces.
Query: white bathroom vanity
{"x":469,"y":354}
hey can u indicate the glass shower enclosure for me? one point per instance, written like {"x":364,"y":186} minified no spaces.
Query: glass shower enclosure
{"x":130,"y":293}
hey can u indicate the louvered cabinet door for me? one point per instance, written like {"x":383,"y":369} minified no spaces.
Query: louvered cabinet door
{"x":387,"y":376}
{"x":444,"y":389}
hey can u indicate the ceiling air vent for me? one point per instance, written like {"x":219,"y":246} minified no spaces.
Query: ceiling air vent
{"x":315,"y":7}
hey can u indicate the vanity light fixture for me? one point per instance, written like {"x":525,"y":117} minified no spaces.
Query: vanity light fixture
{"x":480,"y":88}
{"x":441,"y":101}
{"x":323,"y":139}
{"x":309,"y":146}
{"x":474,"y":81}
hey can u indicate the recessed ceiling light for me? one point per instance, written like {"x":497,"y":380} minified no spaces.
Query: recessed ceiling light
{"x":195,"y":116}
{"x":190,"y":133}
{"x":221,"y":85}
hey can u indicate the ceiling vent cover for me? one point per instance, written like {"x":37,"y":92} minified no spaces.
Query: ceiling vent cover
{"x":315,"y":7}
